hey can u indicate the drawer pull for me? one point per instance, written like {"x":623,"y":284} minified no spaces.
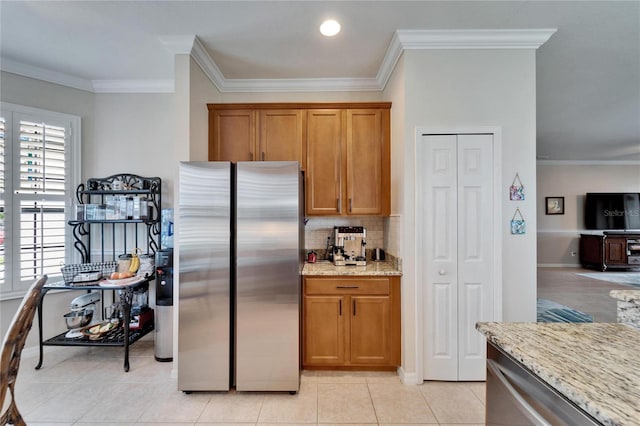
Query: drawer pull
{"x":347,"y":286}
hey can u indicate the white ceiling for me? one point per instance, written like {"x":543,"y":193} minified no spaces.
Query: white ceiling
{"x":588,"y":73}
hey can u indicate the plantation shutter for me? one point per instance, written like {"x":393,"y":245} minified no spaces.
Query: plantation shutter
{"x":41,"y":198}
{"x":39,"y":169}
{"x":42,"y":158}
{"x":2,"y":201}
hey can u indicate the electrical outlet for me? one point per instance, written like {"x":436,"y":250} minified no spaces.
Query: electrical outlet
{"x":573,"y":254}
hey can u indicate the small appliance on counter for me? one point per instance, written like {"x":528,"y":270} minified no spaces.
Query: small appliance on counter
{"x":82,"y":310}
{"x":349,"y":248}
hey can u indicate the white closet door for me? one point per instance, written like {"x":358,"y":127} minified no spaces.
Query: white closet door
{"x":475,"y":251}
{"x":438,"y":161}
{"x":454,"y":191}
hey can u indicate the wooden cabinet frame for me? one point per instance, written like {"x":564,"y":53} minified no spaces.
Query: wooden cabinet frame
{"x":345,"y":174}
{"x":351,"y":323}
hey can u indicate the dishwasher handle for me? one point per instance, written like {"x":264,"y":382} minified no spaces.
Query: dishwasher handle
{"x":530,"y":412}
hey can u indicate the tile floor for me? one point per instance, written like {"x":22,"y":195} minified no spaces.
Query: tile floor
{"x":87,"y":386}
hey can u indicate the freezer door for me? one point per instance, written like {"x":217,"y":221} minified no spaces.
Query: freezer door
{"x":203,"y":233}
{"x":267,"y":276}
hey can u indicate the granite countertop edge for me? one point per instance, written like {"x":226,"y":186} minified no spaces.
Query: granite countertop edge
{"x":608,"y":389}
{"x":626,"y":295}
{"x":372,"y":269}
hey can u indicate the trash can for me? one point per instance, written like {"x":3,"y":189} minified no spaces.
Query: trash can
{"x":164,"y":306}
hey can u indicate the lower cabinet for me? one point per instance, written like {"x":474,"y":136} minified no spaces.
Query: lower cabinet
{"x":351,"y":322}
{"x":610,"y":251}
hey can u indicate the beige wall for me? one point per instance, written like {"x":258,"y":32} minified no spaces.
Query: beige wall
{"x":558,"y":235}
{"x":428,"y":88}
{"x":455,"y":89}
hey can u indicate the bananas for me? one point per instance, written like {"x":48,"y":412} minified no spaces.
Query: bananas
{"x":135,"y":260}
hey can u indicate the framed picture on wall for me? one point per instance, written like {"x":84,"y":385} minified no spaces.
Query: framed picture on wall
{"x":555,"y":205}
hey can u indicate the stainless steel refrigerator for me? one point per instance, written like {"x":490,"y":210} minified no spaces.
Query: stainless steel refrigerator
{"x":240,"y":243}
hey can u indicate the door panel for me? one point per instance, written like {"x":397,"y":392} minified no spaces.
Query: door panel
{"x":364,"y":161}
{"x":370,"y":329}
{"x":455,"y":193}
{"x":324,"y":162}
{"x":234,"y":135}
{"x":475,"y":249}
{"x":324,"y":318}
{"x":472,"y":345}
{"x":441,"y":256}
{"x":281,"y":136}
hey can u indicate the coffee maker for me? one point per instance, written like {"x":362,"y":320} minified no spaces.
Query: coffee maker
{"x":349,"y":248}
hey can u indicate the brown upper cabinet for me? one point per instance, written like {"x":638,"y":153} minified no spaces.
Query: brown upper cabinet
{"x":344,"y":149}
{"x":247,"y":134}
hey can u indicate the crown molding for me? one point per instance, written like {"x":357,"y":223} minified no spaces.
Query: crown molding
{"x":474,"y":39}
{"x":179,"y":45}
{"x":301,"y":85}
{"x":14,"y":67}
{"x":457,"y":39}
{"x":402,"y":40}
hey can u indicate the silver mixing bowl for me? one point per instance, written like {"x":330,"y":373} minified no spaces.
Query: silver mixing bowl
{"x":78,"y":319}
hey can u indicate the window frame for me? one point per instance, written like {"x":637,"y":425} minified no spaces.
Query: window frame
{"x":13,"y":113}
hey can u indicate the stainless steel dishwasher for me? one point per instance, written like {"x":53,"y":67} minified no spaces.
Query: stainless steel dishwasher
{"x":516,"y":397}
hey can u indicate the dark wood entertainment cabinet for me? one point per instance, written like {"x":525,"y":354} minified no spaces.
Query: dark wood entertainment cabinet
{"x":610,"y":250}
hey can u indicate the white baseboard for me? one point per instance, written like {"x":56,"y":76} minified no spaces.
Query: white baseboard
{"x":559,"y":265}
{"x":408,"y":378}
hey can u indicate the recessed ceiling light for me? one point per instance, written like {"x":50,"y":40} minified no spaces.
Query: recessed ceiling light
{"x":330,"y":28}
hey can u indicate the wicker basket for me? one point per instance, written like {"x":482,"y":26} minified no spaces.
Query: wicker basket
{"x":69,"y":272}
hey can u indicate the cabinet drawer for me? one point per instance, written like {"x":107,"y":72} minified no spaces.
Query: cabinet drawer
{"x":374,"y":286}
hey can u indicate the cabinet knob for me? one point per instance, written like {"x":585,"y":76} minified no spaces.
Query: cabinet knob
{"x":442,"y":272}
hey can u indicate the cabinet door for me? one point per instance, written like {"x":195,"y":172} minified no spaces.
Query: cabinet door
{"x":233,"y":135}
{"x":324,"y":162}
{"x":370,"y":330}
{"x":615,"y":251}
{"x":281,"y":136}
{"x":324,"y":337}
{"x":364,"y":162}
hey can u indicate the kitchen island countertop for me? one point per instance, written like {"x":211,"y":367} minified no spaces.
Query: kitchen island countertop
{"x":594,"y":365}
{"x":626,"y":295}
{"x":372,"y":269}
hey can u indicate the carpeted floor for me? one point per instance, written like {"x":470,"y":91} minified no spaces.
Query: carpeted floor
{"x":549,"y":311}
{"x":624,"y":278}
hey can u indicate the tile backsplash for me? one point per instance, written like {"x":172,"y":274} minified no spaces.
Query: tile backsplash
{"x":318,"y":229}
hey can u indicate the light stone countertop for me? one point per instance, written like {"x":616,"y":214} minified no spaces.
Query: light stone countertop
{"x":372,"y":269}
{"x":594,"y":365}
{"x":626,"y":295}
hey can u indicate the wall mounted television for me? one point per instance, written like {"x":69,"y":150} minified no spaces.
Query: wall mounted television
{"x":612,"y":211}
